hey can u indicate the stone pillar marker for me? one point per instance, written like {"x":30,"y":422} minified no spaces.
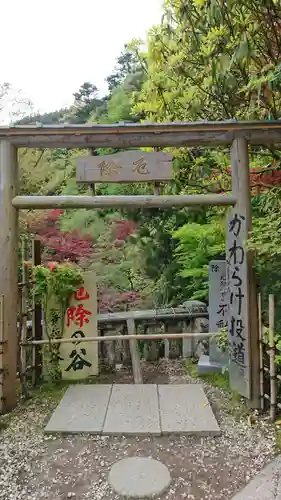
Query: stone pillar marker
{"x":238,"y":328}
{"x":218,"y":317}
{"x":244,"y":370}
{"x":218,"y":308}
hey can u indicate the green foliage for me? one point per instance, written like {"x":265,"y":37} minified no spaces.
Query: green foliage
{"x":265,"y":245}
{"x":277,"y":344}
{"x":44,"y":172}
{"x":220,"y":380}
{"x":265,"y":238}
{"x":197,"y":245}
{"x":129,"y":63}
{"x":54,"y":287}
{"x":86,"y":102}
{"x":86,"y":222}
{"x":52,"y":393}
{"x":214,"y":60}
{"x":56,"y":282}
{"x":51,"y":118}
{"x":119,"y":106}
{"x":155,"y":242}
{"x":222,"y":340}
{"x":217,"y":60}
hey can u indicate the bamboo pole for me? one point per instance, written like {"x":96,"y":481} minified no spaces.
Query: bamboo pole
{"x":23,"y":298}
{"x":36,"y":319}
{"x":265,"y":369}
{"x":272,"y":366}
{"x":21,"y":371}
{"x":25,"y":283}
{"x":261,"y":351}
{"x":150,"y":314}
{"x":266,"y":396}
{"x":91,"y":202}
{"x":156,"y":336}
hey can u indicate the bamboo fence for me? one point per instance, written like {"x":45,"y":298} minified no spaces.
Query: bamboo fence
{"x":269,"y":378}
{"x":127,"y":336}
{"x":28,"y":362}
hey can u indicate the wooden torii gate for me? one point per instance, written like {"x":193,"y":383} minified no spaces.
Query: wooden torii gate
{"x":238,"y":134}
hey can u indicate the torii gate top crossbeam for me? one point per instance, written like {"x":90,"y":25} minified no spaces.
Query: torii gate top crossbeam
{"x":126,"y":135}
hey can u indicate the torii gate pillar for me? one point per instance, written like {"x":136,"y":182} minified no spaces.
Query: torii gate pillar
{"x":8,"y":276}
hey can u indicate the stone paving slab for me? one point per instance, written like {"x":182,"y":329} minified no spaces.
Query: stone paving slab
{"x":184,"y":409}
{"x":133,"y":410}
{"x":266,"y":485}
{"x":82,"y":409}
{"x":127,"y":409}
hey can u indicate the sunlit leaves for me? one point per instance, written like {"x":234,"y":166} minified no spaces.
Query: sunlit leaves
{"x":220,"y":48}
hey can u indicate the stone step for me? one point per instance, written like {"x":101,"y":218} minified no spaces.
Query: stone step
{"x":142,"y":409}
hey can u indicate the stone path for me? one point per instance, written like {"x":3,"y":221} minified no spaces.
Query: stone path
{"x":139,"y":477}
{"x":266,"y":485}
{"x":39,"y":466}
{"x":127,"y":409}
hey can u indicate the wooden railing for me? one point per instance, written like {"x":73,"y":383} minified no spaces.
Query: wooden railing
{"x":159,"y":331}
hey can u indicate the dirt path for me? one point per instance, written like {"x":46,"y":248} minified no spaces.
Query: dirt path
{"x":35,"y":466}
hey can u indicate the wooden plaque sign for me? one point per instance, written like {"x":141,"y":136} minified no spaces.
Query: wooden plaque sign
{"x":127,"y":166}
{"x":80,"y":360}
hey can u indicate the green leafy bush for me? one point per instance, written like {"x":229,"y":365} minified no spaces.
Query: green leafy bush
{"x":197,"y":245}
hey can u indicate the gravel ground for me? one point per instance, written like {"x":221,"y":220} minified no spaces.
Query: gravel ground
{"x":34,"y":466}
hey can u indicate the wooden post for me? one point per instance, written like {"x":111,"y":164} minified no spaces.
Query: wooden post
{"x":241,"y":191}
{"x":93,"y":152}
{"x":8,"y":272}
{"x":166,"y":343}
{"x":134,"y":352}
{"x":156,"y":184}
{"x":36,"y":319}
{"x":272,"y":366}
